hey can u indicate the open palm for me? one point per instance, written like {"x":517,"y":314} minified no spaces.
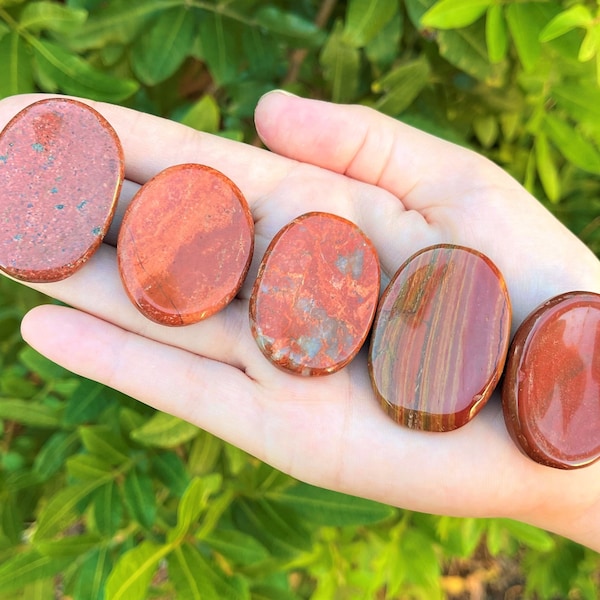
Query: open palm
{"x":405,"y":190}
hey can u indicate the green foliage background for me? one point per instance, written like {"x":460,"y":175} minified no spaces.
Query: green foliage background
{"x":100,"y":497}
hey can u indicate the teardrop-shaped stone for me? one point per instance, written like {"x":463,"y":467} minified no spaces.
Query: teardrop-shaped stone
{"x":185,"y":244}
{"x":61,"y":170}
{"x":315,"y":295}
{"x":440,"y":338}
{"x":551,"y":388}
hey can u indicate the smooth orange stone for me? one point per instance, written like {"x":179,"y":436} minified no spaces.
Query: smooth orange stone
{"x":440,"y":338}
{"x":315,"y":295}
{"x":551,"y":389}
{"x":61,"y":170}
{"x":185,"y":244}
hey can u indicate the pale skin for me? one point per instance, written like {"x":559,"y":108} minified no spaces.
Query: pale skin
{"x":406,"y":190}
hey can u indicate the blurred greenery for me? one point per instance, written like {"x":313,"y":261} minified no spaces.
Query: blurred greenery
{"x":101,"y":497}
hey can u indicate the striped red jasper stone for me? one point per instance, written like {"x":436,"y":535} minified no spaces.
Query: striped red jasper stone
{"x":440,"y":338}
{"x":61,"y":170}
{"x":185,"y":244}
{"x":315,"y":295}
{"x":551,"y":388}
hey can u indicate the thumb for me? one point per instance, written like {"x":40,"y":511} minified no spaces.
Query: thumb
{"x":368,"y":146}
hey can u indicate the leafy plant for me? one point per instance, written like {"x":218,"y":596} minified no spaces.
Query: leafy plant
{"x":101,"y":497}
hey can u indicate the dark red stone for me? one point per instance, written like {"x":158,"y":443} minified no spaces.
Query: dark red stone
{"x":185,"y":244}
{"x":440,"y":338}
{"x":61,"y":170}
{"x":551,"y":389}
{"x":315,"y":295}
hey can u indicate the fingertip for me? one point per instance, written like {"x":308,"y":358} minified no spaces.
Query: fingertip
{"x":46,"y":327}
{"x":268,"y":110}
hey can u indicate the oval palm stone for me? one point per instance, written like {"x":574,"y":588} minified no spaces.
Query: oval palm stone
{"x":185,"y":244}
{"x":315,"y":295}
{"x":61,"y":170}
{"x":440,"y":338}
{"x":551,"y":389}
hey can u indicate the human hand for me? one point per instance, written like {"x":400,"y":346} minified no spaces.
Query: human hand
{"x":405,"y":190}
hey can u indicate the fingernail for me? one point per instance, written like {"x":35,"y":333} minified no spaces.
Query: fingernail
{"x":279,"y":91}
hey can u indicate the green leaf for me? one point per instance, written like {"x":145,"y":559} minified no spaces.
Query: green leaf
{"x":289,"y":25}
{"x":91,"y":576}
{"x":270,"y":592}
{"x":204,"y":115}
{"x":366,"y":18}
{"x":131,"y":576}
{"x":86,"y":467}
{"x":61,"y":509}
{"x":531,"y":536}
{"x":495,"y":537}
{"x":194,"y":501}
{"x":496,"y":35}
{"x":188,"y":573}
{"x":581,"y":101}
{"x":68,"y":547}
{"x":160,"y":50}
{"x":546,"y":168}
{"x":382,"y":49}
{"x":326,"y":507}
{"x":572,"y":145}
{"x":590,"y":45}
{"x":108,"y":509}
{"x":575,"y":16}
{"x":16,"y":75}
{"x":239,"y":547}
{"x":164,"y":431}
{"x":73,"y":75}
{"x":467,"y":50}
{"x":120,"y":21}
{"x":401,"y":86}
{"x":195,"y":579}
{"x":525,"y":22}
{"x":454,"y":14}
{"x":85,"y":404}
{"x":53,"y":454}
{"x":170,"y":471}
{"x":51,"y":16}
{"x":274,"y":525}
{"x":26,"y":567}
{"x":220,"y":47}
{"x":237,"y":459}
{"x":40,"y":365}
{"x":100,"y":441}
{"x":11,"y":520}
{"x":486,"y":129}
{"x":140,"y":497}
{"x":420,"y":562}
{"x":341,"y":65}
{"x":28,"y":413}
{"x":204,"y":453}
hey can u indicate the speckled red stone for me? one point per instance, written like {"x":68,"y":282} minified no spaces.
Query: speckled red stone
{"x":315,"y":295}
{"x":61,"y":170}
{"x":551,"y":389}
{"x":440,"y":338}
{"x":185,"y":244}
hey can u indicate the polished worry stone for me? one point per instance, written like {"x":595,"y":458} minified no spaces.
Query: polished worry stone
{"x":315,"y":295}
{"x":440,"y":338}
{"x":551,"y":388}
{"x":61,"y":170}
{"x":185,"y":244}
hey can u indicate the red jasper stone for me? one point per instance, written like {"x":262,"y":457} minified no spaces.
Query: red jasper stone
{"x":315,"y":295}
{"x":61,"y":170}
{"x":551,"y":389}
{"x":440,"y":338}
{"x":185,"y":244}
